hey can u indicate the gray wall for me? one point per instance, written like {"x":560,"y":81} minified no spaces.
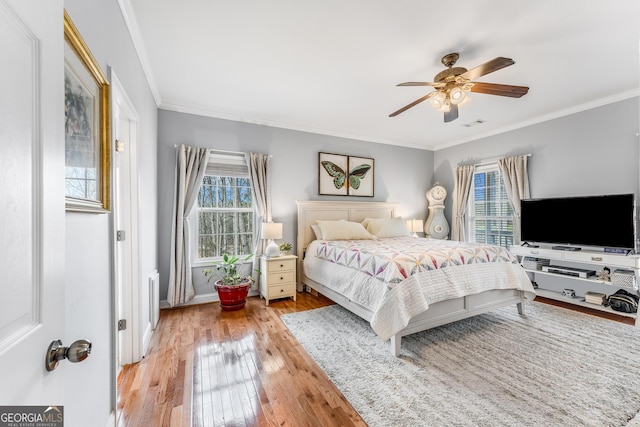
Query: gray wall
{"x":402,"y":175}
{"x":588,"y":153}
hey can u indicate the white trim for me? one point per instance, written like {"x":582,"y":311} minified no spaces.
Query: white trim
{"x":123,"y":108}
{"x":202,"y":299}
{"x":205,"y":112}
{"x":539,"y":119}
{"x":111,"y":421}
{"x":196,"y":210}
{"x":134,"y":31}
{"x":470,"y":216}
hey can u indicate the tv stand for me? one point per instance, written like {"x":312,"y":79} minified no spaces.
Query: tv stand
{"x":551,"y":284}
{"x":566,"y":248}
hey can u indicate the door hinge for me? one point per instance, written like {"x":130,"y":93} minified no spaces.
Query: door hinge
{"x":120,"y":235}
{"x":122,"y":324}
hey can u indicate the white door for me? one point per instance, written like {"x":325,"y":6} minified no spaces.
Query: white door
{"x":32,"y":216}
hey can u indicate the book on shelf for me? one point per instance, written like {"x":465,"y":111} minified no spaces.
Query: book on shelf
{"x":594,"y":298}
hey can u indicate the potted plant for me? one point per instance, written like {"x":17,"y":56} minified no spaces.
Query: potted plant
{"x":232,"y":287}
{"x":285,"y":248}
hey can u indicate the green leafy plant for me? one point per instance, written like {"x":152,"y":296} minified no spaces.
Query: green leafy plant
{"x":285,"y":247}
{"x":229,"y":267}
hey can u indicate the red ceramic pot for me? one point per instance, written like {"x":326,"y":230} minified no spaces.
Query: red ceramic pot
{"x":232,"y":297}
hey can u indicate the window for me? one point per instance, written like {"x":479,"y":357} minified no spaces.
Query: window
{"x":224,"y":209}
{"x":489,"y":212}
{"x":80,"y":182}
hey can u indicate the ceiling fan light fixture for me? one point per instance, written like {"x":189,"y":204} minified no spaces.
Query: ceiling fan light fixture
{"x":437,"y":101}
{"x":451,"y":86}
{"x":446,"y":105}
{"x":457,"y":95}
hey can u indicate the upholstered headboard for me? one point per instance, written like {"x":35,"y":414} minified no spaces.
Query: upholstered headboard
{"x":311,"y":211}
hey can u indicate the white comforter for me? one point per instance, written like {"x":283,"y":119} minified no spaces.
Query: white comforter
{"x":398,"y":278}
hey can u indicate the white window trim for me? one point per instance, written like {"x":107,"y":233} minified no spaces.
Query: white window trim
{"x":470,"y":211}
{"x":234,"y":160}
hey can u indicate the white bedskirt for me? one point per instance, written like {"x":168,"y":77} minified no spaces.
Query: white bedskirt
{"x":393,"y":306}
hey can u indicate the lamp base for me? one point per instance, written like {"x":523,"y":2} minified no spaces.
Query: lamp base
{"x":272,"y":250}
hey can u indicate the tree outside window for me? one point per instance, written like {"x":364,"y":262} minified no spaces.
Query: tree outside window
{"x":225,"y":217}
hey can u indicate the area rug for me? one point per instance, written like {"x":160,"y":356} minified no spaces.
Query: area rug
{"x":550,"y":367}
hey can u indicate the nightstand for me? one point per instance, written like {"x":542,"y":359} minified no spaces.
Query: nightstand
{"x":278,"y":277}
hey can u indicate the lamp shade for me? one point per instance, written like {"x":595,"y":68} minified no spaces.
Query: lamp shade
{"x":271,"y":230}
{"x":414,"y":226}
{"x":437,"y":101}
{"x":457,"y":95}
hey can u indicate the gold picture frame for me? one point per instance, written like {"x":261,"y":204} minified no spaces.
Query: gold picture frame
{"x":87,"y":127}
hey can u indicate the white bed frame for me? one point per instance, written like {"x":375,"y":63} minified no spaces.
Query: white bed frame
{"x":438,"y":314}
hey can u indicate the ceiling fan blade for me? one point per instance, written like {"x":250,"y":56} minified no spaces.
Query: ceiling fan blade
{"x":413,"y":104}
{"x":452,"y":114}
{"x":420,"y":84}
{"x":488,"y":67}
{"x":501,"y":90}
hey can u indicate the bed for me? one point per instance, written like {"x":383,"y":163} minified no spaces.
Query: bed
{"x":391,"y":293}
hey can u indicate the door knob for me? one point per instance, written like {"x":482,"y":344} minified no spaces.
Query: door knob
{"x":76,"y":352}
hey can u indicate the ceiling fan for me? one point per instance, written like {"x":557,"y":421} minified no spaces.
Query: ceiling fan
{"x":452,"y":84}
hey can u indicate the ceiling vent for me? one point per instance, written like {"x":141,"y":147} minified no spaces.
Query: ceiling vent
{"x":474,"y":123}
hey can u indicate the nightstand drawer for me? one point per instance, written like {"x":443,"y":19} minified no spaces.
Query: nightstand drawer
{"x":281,"y":265}
{"x":278,"y":277}
{"x":281,"y":291}
{"x":283,"y":277}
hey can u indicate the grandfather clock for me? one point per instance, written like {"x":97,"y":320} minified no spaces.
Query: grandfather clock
{"x":436,"y":225}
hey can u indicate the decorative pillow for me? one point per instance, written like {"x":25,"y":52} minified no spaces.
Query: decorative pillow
{"x":316,"y":231}
{"x":343,"y":230}
{"x":365,"y":222}
{"x":387,"y":227}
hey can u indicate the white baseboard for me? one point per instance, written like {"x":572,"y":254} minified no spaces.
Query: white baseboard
{"x":203,"y":299}
{"x":111,"y":422}
{"x":146,"y":339}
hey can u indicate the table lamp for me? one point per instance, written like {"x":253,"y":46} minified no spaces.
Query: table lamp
{"x":271,"y":231}
{"x":414,"y":225}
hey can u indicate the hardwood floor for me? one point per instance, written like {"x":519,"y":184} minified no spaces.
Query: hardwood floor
{"x":206,"y":367}
{"x":587,"y":310}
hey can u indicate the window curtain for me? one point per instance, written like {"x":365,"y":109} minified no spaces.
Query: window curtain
{"x":516,"y":183}
{"x":259,"y":165}
{"x":191,"y":163}
{"x":464,"y":175}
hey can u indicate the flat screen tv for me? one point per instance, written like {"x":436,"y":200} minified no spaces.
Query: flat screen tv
{"x":606,"y":221}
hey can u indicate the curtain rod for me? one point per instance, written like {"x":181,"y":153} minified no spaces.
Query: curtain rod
{"x":222,"y":151}
{"x":216,"y":150}
{"x":491,"y":160}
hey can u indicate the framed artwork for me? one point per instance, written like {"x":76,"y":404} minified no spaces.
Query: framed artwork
{"x":332,"y":178}
{"x":342,"y":175}
{"x":87,"y":127}
{"x":360,"y":176}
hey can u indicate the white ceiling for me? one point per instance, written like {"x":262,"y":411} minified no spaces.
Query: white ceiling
{"x":331,"y":66}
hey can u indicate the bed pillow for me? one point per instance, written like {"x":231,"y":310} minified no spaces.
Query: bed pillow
{"x":365,"y":222}
{"x":343,"y":230}
{"x":387,"y":227}
{"x":316,"y":231}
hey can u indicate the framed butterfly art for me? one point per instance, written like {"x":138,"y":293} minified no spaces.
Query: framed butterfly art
{"x":343,"y":175}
